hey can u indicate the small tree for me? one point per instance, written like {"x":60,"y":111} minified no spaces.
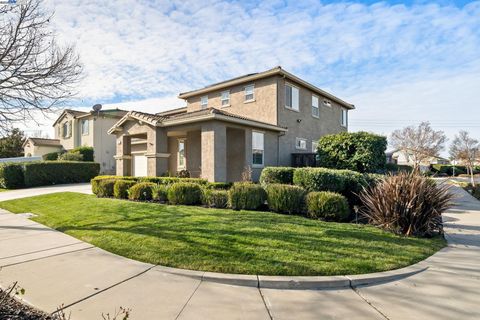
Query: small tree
{"x":12,"y":144}
{"x":421,"y":142}
{"x":466,"y":150}
{"x":359,"y":151}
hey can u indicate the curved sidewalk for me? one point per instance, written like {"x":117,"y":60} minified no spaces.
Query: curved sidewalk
{"x":56,"y":269}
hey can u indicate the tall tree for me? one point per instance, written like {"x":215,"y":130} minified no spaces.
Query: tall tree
{"x":421,"y":142}
{"x":466,"y":150}
{"x":36,"y":74}
{"x":11,"y":145}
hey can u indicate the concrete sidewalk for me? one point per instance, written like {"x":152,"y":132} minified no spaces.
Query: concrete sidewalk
{"x":56,"y":269}
{"x":37,"y":191}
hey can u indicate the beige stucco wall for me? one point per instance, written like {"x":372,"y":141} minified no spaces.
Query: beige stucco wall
{"x":70,"y":142}
{"x":309,"y":127}
{"x":104,"y":144}
{"x":37,"y":151}
{"x":261,"y":109}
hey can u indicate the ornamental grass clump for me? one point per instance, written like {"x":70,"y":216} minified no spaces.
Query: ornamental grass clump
{"x":407,"y":204}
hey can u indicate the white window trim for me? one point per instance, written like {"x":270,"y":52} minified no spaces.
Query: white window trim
{"x":221,"y":99}
{"x":88,"y":127}
{"x":263,"y":151}
{"x":201,"y":102}
{"x":293,"y":86}
{"x":296,"y":143}
{"x":344,"y":124}
{"x":314,"y":149}
{"x":318,"y":106}
{"x":245,"y":93}
{"x":184,"y":167}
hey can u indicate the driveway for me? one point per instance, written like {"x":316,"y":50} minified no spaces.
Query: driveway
{"x":56,"y":269}
{"x":30,"y":192}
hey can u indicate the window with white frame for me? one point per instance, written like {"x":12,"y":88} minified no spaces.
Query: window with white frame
{"x":225,"y":98}
{"x":84,"y":127}
{"x":181,"y":154}
{"x":204,"y":102}
{"x":257,"y":148}
{"x":249,"y":93}
{"x":301,"y":143}
{"x":344,"y":118}
{"x":315,"y":109}
{"x":291,"y":97}
{"x":314,"y":146}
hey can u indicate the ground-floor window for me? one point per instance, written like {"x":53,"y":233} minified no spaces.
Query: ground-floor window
{"x":257,"y":148}
{"x":181,"y":154}
{"x":301,"y":144}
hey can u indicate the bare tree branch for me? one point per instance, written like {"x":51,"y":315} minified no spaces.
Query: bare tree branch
{"x":466,"y":150}
{"x":36,"y":74}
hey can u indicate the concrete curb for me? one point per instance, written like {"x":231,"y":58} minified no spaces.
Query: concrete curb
{"x":299,"y":282}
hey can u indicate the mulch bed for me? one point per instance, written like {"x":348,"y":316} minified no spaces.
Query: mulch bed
{"x":12,"y":309}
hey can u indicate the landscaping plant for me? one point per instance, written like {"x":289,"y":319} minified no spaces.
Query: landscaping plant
{"x":285,"y":198}
{"x":326,"y":205}
{"x":246,"y":196}
{"x":105,"y":188}
{"x":282,"y":175}
{"x":71,"y":156}
{"x":141,"y":191}
{"x":159,"y":193}
{"x":120,"y":188}
{"x":407,"y":203}
{"x":184,"y":193}
{"x":215,"y":198}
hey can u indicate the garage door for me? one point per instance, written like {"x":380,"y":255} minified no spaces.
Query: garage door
{"x":139,"y":165}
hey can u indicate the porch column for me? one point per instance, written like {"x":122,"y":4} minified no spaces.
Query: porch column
{"x":214,"y":152}
{"x":123,"y":158}
{"x":157,"y":152}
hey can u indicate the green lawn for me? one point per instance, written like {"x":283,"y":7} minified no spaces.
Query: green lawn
{"x":229,"y":241}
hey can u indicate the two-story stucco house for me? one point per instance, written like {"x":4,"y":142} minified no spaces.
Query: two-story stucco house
{"x":251,"y":121}
{"x":75,"y":128}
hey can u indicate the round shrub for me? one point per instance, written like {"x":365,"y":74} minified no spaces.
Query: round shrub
{"x":141,"y":191}
{"x":184,"y":193}
{"x":159,"y":193}
{"x":120,"y":188}
{"x":285,"y":198}
{"x":219,"y":185}
{"x":215,"y":198}
{"x":283,"y":175}
{"x":105,"y":188}
{"x":246,"y":196}
{"x":319,"y":179}
{"x":329,"y":206}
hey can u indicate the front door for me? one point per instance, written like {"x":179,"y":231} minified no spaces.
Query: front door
{"x":139,"y":165}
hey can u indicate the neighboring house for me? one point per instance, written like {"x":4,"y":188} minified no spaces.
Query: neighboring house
{"x":37,"y":147}
{"x":251,"y":121}
{"x":405,"y":157}
{"x":77,"y":128}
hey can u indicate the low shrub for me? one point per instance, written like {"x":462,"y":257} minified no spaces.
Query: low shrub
{"x":170,"y":180}
{"x":447,"y":170}
{"x":52,"y":156}
{"x":407,"y":204}
{"x":43,"y":173}
{"x":215,"y":198}
{"x":283,"y":175}
{"x":320,"y":179}
{"x":105,"y":188}
{"x":186,"y":193}
{"x":183,"y":174}
{"x":120,"y":188}
{"x":71,"y":156}
{"x":219,"y":185}
{"x":141,"y":191}
{"x":285,"y":198}
{"x":11,"y":176}
{"x":86,"y":152}
{"x":246,"y":196}
{"x":159,"y":193}
{"x":328,"y":206}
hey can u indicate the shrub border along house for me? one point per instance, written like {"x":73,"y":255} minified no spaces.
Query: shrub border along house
{"x":41,"y":173}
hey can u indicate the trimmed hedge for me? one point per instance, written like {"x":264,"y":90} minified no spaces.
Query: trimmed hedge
{"x":219,"y":185}
{"x":106,"y":188}
{"x":285,"y":198}
{"x":319,"y":179}
{"x":329,"y":206}
{"x":41,"y":173}
{"x":120,"y":188}
{"x":215,"y":198}
{"x":11,"y":176}
{"x":160,"y":193}
{"x":246,"y":196}
{"x":52,"y":156}
{"x":186,"y":193}
{"x":71,"y":156}
{"x":141,"y":191}
{"x":171,"y":180}
{"x":444,"y":169}
{"x":86,"y":152}
{"x":283,"y":175}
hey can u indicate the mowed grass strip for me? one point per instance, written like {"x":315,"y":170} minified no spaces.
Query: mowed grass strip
{"x":248,"y":242}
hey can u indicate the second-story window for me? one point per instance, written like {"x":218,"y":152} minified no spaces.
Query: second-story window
{"x":65,"y":130}
{"x":291,"y":97}
{"x":225,"y":97}
{"x":249,"y":93}
{"x":344,"y":118}
{"x":204,"y":102}
{"x":84,"y":127}
{"x":315,"y":109}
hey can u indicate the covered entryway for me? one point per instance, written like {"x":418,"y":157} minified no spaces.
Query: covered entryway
{"x":139,"y":164}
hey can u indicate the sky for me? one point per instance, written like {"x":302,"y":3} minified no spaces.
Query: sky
{"x":398,"y":62}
